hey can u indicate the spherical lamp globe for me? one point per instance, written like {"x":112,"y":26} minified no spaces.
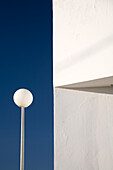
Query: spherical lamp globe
{"x":23,"y":98}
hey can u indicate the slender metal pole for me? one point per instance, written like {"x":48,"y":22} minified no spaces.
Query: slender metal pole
{"x":22,"y":140}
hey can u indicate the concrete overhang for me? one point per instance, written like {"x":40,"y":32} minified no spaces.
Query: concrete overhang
{"x":102,"y":82}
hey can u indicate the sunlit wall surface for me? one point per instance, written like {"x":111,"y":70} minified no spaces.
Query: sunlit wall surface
{"x":83,"y":74}
{"x":83,"y":40}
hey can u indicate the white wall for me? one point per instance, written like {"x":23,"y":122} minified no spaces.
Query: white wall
{"x":82,"y":40}
{"x":83,"y":57}
{"x":83,"y":130}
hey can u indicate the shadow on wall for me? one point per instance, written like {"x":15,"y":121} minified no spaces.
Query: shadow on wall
{"x":95,"y":48}
{"x":104,"y":90}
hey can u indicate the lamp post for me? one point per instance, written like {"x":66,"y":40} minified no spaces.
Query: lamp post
{"x":22,"y":98}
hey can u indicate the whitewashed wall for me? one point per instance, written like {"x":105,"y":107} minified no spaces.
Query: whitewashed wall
{"x":83,"y":130}
{"x":83,"y":57}
{"x":82,"y":40}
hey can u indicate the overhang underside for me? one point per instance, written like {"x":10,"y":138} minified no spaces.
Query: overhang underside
{"x":102,"y":82}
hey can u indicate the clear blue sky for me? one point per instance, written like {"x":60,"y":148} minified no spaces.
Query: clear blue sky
{"x":26,"y":62}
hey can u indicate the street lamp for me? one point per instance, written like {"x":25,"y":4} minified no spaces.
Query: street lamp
{"x":22,"y":98}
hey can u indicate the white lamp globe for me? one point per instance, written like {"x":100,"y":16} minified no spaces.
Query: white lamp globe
{"x":23,"y":98}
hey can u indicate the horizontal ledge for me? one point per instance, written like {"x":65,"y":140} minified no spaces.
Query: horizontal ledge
{"x":101,"y":82}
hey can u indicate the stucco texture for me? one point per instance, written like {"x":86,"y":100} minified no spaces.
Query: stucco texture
{"x":83,"y":129}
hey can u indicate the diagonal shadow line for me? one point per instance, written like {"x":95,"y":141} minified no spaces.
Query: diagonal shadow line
{"x":95,"y":48}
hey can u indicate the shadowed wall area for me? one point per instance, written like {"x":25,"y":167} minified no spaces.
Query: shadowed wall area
{"x":83,"y":130}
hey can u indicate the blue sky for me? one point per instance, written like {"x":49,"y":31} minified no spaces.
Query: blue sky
{"x":26,"y":62}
